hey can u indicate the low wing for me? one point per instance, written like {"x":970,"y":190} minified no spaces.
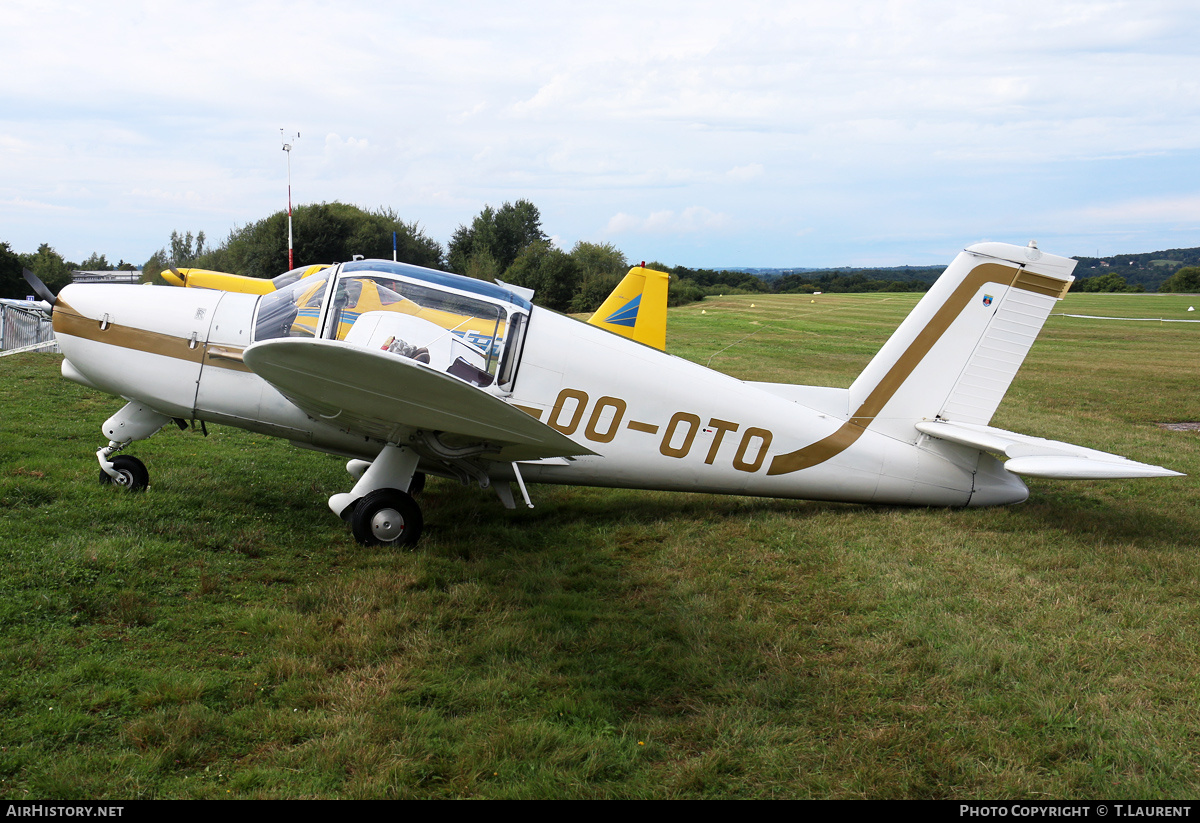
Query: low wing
{"x":385,"y":396}
{"x":1037,"y":457}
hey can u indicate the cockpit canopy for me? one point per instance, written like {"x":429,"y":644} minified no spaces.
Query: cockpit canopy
{"x":458,"y":325}
{"x":289,"y":277}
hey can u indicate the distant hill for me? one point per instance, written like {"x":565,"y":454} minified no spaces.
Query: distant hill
{"x":888,"y":272}
{"x":1148,"y":270}
{"x":892,"y":274}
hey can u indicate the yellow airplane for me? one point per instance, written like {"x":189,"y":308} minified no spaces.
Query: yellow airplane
{"x":224,"y":281}
{"x":637,"y":308}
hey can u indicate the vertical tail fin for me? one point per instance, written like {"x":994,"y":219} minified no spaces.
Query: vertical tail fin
{"x":957,"y":352}
{"x":637,"y":308}
{"x":946,"y":369}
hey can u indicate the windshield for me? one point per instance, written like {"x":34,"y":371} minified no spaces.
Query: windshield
{"x":292,"y":311}
{"x":466,"y":328}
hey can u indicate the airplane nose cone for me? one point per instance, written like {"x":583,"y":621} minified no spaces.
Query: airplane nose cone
{"x":174,"y":276}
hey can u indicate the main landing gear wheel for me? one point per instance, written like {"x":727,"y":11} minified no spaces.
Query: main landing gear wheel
{"x":133,"y":474}
{"x":386,"y":517}
{"x":417,"y":485}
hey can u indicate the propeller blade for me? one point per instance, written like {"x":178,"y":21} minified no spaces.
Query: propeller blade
{"x":39,"y":288}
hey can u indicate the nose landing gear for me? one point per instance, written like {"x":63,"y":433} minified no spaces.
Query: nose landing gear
{"x":132,"y":422}
{"x":130,"y":474}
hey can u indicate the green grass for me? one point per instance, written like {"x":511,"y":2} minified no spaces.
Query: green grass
{"x":223,"y":636}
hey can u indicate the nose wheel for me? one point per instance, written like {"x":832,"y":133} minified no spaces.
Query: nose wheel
{"x":131,"y":474}
{"x":386,"y":517}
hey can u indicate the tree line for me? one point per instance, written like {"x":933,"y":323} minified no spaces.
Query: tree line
{"x":1183,"y":280}
{"x":508,"y":243}
{"x":505,"y":243}
{"x":49,"y":266}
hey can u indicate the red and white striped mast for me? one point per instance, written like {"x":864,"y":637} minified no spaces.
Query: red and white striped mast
{"x":287,"y":147}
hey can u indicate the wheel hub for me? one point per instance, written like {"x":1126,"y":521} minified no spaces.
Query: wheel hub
{"x":387,"y":525}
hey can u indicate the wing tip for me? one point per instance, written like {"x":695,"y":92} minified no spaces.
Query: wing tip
{"x":1061,"y":467}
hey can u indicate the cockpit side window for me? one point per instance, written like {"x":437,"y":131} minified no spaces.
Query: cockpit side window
{"x":456,"y":333}
{"x":292,"y":311}
{"x":513,"y":346}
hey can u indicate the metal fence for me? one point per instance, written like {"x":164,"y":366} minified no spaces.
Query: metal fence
{"x":23,"y":327}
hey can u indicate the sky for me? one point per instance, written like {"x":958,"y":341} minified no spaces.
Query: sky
{"x":772,"y":134}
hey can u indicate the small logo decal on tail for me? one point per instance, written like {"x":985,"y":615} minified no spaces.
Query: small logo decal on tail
{"x":627,"y":314}
{"x":987,"y":300}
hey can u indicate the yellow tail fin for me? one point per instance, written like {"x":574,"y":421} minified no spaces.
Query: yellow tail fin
{"x":637,"y":308}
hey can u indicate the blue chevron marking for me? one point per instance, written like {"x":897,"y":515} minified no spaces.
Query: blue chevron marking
{"x":626,"y":315}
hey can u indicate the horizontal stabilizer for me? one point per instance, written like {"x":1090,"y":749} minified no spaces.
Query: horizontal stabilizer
{"x":1038,"y":457}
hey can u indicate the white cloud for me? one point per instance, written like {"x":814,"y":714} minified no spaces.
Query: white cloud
{"x":33,"y":205}
{"x":1171,"y":210}
{"x":555,"y":94}
{"x":743,"y":174}
{"x":689,"y":221}
{"x":875,"y":120}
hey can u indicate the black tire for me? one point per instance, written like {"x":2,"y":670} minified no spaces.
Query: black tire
{"x":387,"y":517}
{"x":134,"y":476}
{"x":417,"y":484}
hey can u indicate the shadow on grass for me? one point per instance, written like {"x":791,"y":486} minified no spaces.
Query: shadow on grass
{"x":702,"y":634}
{"x":1153,"y":521}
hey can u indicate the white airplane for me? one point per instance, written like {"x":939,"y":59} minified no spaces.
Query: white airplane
{"x":535,"y":396}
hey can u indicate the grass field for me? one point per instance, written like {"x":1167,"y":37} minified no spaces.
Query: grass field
{"x":223,"y":636}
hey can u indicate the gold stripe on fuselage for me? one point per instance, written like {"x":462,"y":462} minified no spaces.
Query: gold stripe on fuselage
{"x":225,"y":357}
{"x":69,"y":322}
